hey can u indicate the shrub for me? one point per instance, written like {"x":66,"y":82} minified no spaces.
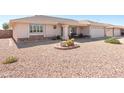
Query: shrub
{"x":67,"y":43}
{"x":70,"y":42}
{"x":112,"y":40}
{"x":10,"y":60}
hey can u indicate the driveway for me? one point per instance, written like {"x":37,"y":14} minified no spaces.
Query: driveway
{"x":94,"y":58}
{"x":6,"y":43}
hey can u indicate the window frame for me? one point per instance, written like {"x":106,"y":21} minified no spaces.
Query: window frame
{"x":36,"y":28}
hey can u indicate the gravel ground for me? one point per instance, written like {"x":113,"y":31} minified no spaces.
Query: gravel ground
{"x":41,"y":59}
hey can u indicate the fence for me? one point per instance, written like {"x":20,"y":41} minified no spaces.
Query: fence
{"x":5,"y":33}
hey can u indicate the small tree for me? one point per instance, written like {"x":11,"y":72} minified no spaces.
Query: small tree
{"x":5,"y":26}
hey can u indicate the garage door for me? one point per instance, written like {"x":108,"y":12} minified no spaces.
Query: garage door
{"x":109,"y":32}
{"x":97,"y":32}
{"x":117,"y":32}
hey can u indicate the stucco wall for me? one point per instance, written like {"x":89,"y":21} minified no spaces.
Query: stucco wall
{"x":50,"y":31}
{"x":21,"y":31}
{"x":96,"y":31}
{"x":5,"y":33}
{"x":117,"y":32}
{"x":109,"y":32}
{"x":83,"y":30}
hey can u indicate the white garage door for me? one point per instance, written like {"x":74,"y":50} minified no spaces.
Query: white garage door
{"x":97,"y":32}
{"x":117,"y":32}
{"x":109,"y":32}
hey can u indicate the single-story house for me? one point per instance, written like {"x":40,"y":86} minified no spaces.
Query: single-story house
{"x":40,"y":27}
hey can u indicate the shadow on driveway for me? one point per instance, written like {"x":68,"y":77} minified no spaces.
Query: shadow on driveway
{"x":84,"y":40}
{"x":5,"y":43}
{"x":36,"y":43}
{"x":48,"y":42}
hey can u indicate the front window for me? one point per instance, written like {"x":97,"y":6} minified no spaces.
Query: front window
{"x":36,"y":28}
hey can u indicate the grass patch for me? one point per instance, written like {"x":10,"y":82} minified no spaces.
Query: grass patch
{"x":10,"y":60}
{"x":112,"y":40}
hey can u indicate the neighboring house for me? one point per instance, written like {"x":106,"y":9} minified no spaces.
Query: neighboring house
{"x":40,"y":27}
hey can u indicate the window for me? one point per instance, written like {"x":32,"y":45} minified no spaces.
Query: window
{"x":36,"y":28}
{"x":41,"y":29}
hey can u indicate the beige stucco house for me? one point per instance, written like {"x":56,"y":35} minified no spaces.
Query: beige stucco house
{"x":40,"y":27}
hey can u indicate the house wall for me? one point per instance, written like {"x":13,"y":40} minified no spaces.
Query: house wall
{"x":97,"y":31}
{"x":109,"y":32}
{"x":50,"y":31}
{"x":83,"y":30}
{"x":6,"y":33}
{"x":21,"y":31}
{"x":78,"y":30}
{"x":117,"y":32}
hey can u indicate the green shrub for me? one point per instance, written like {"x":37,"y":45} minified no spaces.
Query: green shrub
{"x":70,"y":42}
{"x":112,"y":40}
{"x":10,"y":59}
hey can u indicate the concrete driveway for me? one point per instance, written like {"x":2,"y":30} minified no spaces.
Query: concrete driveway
{"x":6,"y":43}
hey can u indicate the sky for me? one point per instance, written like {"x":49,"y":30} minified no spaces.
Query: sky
{"x":112,"y":19}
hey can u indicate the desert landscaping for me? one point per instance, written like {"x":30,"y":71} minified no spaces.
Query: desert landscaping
{"x":94,"y":58}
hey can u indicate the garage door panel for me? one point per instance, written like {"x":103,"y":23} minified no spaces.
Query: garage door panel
{"x":110,"y":32}
{"x":117,"y":32}
{"x":97,"y":33}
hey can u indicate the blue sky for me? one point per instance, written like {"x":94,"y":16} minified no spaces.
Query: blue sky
{"x":112,"y":19}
